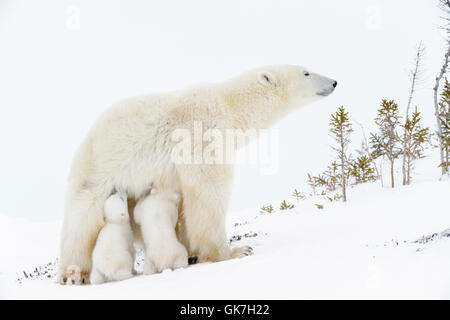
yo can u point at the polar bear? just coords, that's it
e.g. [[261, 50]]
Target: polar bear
[[113, 254], [130, 146], [157, 215]]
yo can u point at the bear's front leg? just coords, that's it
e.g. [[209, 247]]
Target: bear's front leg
[[83, 220], [206, 190]]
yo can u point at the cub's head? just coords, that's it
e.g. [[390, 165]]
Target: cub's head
[[116, 209], [159, 201], [168, 196]]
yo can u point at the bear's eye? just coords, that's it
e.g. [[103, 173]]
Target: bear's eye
[[306, 73]]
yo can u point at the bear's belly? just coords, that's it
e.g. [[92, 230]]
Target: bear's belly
[[137, 177], [136, 180]]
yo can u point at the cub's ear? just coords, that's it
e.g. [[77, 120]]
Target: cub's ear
[[266, 78]]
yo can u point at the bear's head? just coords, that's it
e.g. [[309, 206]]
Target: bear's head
[[263, 95], [116, 209]]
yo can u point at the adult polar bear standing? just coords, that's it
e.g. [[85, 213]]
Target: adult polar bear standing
[[130, 146]]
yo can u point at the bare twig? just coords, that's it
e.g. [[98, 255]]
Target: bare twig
[[436, 105], [416, 75]]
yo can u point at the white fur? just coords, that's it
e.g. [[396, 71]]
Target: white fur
[[157, 214], [130, 145], [113, 255]]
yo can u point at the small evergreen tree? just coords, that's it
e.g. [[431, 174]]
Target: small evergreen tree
[[332, 176], [444, 118], [362, 170], [386, 142], [321, 181], [312, 182], [286, 206], [414, 143], [298, 195], [340, 127], [337, 197], [365, 150], [268, 209], [349, 166]]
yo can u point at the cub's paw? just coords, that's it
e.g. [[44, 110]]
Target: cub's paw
[[149, 267], [123, 274], [180, 258], [96, 277], [180, 262], [240, 252]]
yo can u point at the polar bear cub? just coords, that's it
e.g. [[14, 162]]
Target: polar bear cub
[[113, 255], [157, 214]]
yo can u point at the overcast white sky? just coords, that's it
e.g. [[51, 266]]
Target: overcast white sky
[[63, 62]]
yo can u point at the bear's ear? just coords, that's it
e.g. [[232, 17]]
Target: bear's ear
[[266, 78]]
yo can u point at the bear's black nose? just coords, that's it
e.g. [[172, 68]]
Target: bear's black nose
[[334, 84]]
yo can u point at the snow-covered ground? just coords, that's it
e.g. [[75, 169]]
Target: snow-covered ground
[[362, 249]]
